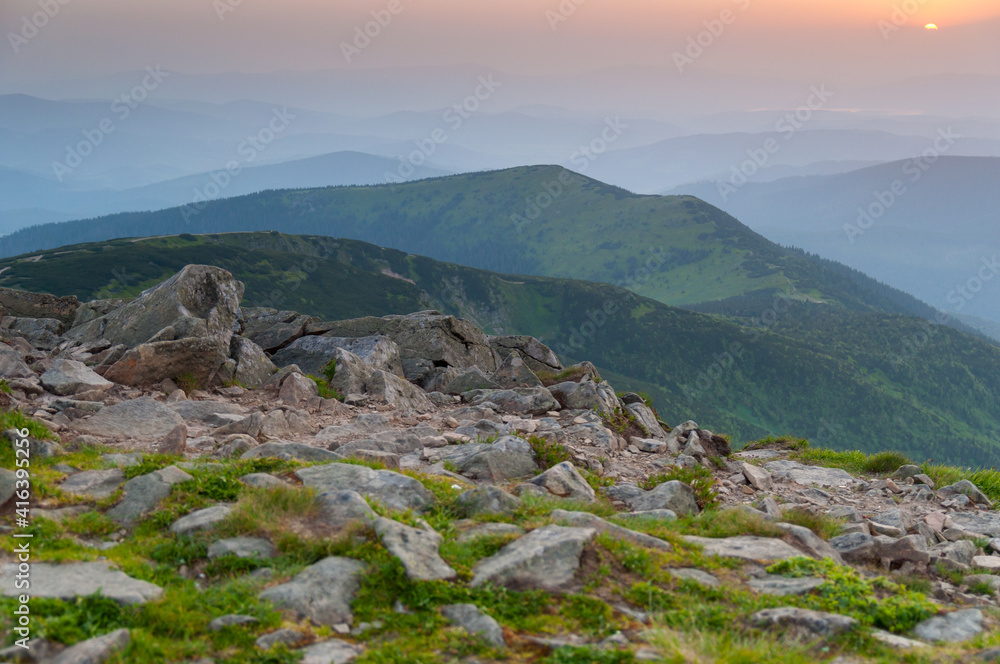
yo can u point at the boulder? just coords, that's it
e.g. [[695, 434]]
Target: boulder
[[199, 358], [96, 650], [313, 353], [746, 547], [809, 542], [92, 483], [342, 509], [41, 333], [757, 477], [545, 558], [332, 651], [66, 377], [203, 519], [322, 592], [507, 459], [966, 488], [297, 451], [393, 490], [565, 481], [71, 580], [144, 418], [253, 367], [297, 389], [12, 364], [953, 627], [199, 300], [674, 495], [396, 391], [271, 329], [23, 304], [242, 547], [474, 621], [585, 395], [514, 373], [856, 548], [487, 500], [809, 475], [144, 493], [416, 549], [810, 623], [520, 401], [588, 520], [782, 586], [205, 412], [536, 355]]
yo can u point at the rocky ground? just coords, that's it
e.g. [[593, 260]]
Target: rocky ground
[[216, 483]]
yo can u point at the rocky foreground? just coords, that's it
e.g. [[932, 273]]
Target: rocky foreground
[[217, 483]]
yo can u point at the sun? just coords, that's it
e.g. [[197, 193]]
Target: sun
[[930, 26]]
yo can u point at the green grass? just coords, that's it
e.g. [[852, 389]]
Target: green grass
[[548, 453], [698, 478], [14, 419]]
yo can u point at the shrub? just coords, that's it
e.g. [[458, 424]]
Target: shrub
[[698, 478], [549, 454]]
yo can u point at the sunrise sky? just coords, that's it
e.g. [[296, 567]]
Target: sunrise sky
[[782, 38]]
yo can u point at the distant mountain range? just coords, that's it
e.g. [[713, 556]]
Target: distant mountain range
[[845, 378]]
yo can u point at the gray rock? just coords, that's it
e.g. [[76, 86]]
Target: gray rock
[[333, 651], [93, 483], [487, 500], [746, 547], [391, 489], [695, 575], [204, 359], [341, 509], [467, 380], [242, 547], [205, 412], [493, 530], [565, 481], [474, 621], [962, 551], [653, 515], [25, 304], [322, 592], [809, 475], [416, 549], [856, 548], [966, 488], [253, 367], [506, 459], [262, 481], [396, 391], [297, 389], [313, 353], [70, 580], [912, 548], [235, 446], [536, 355], [757, 477], [514, 373], [520, 401], [143, 418], [70, 377], [585, 395], [8, 484], [198, 298], [649, 445], [297, 451], [144, 493], [232, 620], [981, 523], [896, 518], [97, 650], [248, 426], [123, 460], [905, 471], [588, 520], [41, 333], [809, 542], [815, 623], [953, 627], [674, 496], [12, 364], [281, 424], [201, 519], [545, 558], [646, 418], [782, 586], [288, 637]]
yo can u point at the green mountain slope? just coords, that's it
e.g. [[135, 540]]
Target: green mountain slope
[[851, 381], [541, 220]]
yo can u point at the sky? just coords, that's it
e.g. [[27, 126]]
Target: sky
[[844, 41]]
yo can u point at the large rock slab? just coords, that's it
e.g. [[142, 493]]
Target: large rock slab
[[953, 627], [536, 355], [333, 651], [299, 451], [342, 509], [322, 592], [201, 358], [487, 500], [746, 547], [144, 493], [416, 548], [586, 395], [565, 481], [205, 412], [978, 523], [813, 623], [144, 418], [313, 353], [201, 519], [397, 392], [72, 580], [506, 459], [202, 293], [811, 475], [97, 650], [93, 483], [856, 548], [514, 373], [393, 490], [24, 304], [12, 364], [253, 366], [65, 377], [520, 401], [242, 547], [781, 586], [674, 495], [588, 520], [546, 558], [474, 621]]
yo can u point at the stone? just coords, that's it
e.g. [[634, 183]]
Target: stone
[[814, 623], [231, 620], [652, 515], [809, 475], [248, 426], [585, 395], [143, 418], [474, 621], [588, 520], [12, 364], [391, 489], [342, 509], [333, 651], [234, 446], [175, 442], [896, 518], [895, 640], [758, 478], [24, 304], [981, 523], [520, 401], [546, 558], [123, 460], [201, 519], [205, 412], [297, 451], [487, 500], [565, 481], [782, 586], [313, 353], [506, 459], [416, 549], [535, 354], [396, 391], [746, 547], [809, 542], [912, 548], [963, 551], [646, 418], [514, 373], [199, 358], [95, 484], [253, 366], [65, 377], [924, 480], [649, 445], [675, 496], [242, 547], [905, 471], [144, 493], [988, 563], [8, 485], [953, 627], [288, 637], [491, 529], [322, 592], [856, 548], [282, 424], [96, 650], [466, 380], [695, 575], [71, 580], [966, 488], [297, 389]]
